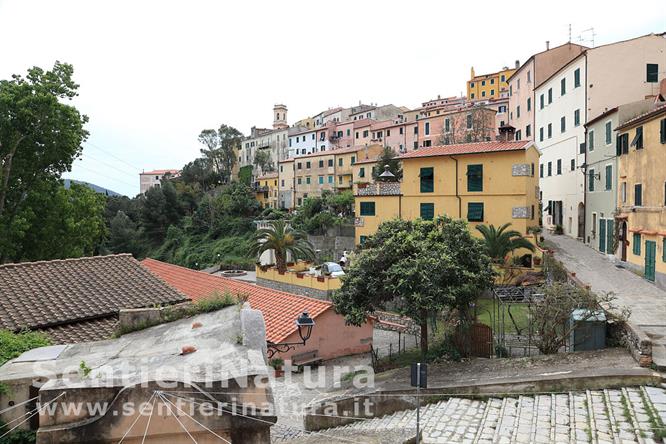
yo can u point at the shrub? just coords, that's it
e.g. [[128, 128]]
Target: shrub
[[13, 344]]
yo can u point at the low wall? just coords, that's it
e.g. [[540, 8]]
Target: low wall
[[298, 283]]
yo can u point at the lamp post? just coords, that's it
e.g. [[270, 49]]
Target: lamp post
[[305, 324]]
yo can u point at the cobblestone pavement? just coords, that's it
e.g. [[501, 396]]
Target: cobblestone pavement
[[646, 301], [627, 415]]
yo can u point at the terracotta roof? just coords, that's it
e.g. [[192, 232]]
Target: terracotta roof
[[660, 109], [280, 309], [77, 299], [361, 123], [351, 149], [268, 176], [161, 172], [468, 148], [364, 161]]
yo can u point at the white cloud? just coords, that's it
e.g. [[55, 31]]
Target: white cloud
[[153, 74]]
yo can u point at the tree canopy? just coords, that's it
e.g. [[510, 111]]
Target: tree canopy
[[221, 146], [500, 242], [417, 267], [388, 157]]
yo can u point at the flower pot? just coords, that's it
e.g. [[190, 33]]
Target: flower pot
[[279, 372], [321, 278], [300, 275]]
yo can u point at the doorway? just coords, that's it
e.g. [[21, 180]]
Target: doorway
[[581, 220], [623, 241]]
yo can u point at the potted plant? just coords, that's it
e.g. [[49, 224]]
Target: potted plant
[[536, 260], [277, 364]]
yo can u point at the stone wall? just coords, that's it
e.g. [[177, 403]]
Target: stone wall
[[295, 289], [335, 242]]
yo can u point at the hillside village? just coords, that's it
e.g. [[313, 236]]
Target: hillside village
[[284, 286]]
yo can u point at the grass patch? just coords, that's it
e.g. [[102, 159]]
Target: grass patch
[[214, 302], [519, 312], [351, 375], [657, 425]]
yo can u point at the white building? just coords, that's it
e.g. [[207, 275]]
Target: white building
[[591, 83], [149, 179], [302, 141], [275, 141]]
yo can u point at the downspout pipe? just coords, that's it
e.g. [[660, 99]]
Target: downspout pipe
[[457, 193]]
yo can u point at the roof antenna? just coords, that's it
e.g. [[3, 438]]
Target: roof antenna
[[569, 32]]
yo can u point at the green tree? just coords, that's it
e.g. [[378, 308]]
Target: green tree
[[500, 242], [221, 147], [124, 235], [418, 267], [262, 160], [390, 158], [59, 222], [200, 172], [160, 209], [283, 240]]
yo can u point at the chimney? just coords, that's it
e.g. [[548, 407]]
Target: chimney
[[517, 64], [547, 45], [472, 73]]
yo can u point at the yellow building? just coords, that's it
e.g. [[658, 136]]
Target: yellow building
[[641, 220], [328, 170], [489, 183], [266, 188], [489, 86]]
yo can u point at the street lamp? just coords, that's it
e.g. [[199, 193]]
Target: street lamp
[[304, 323]]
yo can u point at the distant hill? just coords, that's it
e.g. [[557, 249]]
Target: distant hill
[[92, 186]]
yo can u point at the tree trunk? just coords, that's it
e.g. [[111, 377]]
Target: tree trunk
[[280, 262], [5, 172], [424, 333]]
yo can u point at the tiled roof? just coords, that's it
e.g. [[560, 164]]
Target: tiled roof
[[364, 161], [468, 148], [161, 172], [84, 331], [280, 309], [659, 109], [71, 293]]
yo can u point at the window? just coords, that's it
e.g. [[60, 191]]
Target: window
[[518, 135], [573, 164], [623, 192], [577, 78], [299, 165], [550, 168], [541, 170], [528, 131], [362, 239], [353, 160], [529, 104], [282, 182], [563, 86], [541, 134], [427, 180], [638, 195], [330, 163], [474, 178], [427, 129], [307, 180], [590, 141], [503, 78], [357, 134], [609, 132], [300, 201], [469, 121], [483, 83], [365, 133], [427, 143], [361, 172], [662, 131], [563, 124], [550, 95], [541, 104], [388, 132], [518, 84], [348, 132], [447, 125], [321, 180], [652, 73], [340, 161], [367, 208], [339, 134], [492, 93], [577, 117], [401, 130], [483, 94], [475, 211], [472, 96], [636, 247], [590, 180], [300, 181], [622, 144], [308, 164], [559, 167], [638, 138], [518, 112], [321, 164], [550, 130], [427, 211], [609, 177], [339, 179]]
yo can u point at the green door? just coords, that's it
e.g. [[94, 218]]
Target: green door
[[610, 233], [602, 235], [650, 250]]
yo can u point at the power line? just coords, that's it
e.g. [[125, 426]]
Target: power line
[[108, 177], [110, 166], [113, 155]]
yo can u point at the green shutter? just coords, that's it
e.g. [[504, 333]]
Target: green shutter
[[427, 211], [610, 235], [662, 131], [427, 180], [609, 177], [602, 235], [367, 208], [636, 247], [663, 250], [475, 211], [474, 178]]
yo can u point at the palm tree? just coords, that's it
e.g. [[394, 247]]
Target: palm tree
[[500, 241], [283, 240]]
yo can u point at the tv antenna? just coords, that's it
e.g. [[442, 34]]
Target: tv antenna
[[587, 35]]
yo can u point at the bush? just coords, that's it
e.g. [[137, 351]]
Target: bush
[[13, 344]]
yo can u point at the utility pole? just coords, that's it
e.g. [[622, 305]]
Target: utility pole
[[418, 402]]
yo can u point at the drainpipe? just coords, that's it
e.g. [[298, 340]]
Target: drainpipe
[[457, 194]]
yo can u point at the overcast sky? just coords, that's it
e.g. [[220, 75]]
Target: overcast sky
[[154, 74]]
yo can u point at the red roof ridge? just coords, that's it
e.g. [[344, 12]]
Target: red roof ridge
[[69, 259], [468, 148]]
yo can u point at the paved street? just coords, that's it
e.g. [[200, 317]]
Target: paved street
[[646, 301]]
